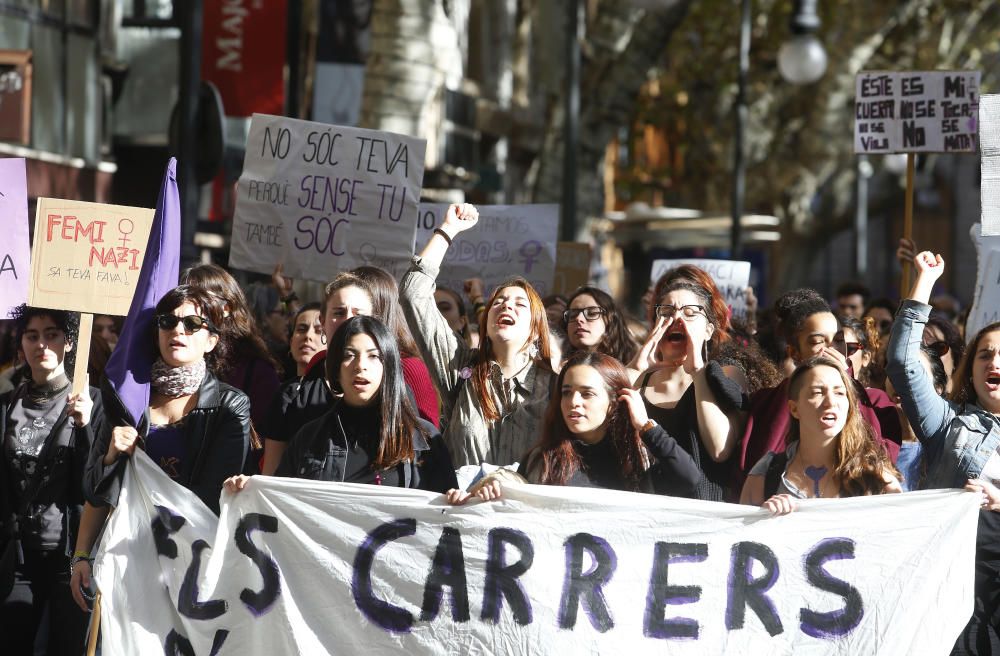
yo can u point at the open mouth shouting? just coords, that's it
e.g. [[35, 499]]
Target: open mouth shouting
[[828, 420], [993, 380], [361, 384]]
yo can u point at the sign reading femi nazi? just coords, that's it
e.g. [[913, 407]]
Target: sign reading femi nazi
[[916, 111]]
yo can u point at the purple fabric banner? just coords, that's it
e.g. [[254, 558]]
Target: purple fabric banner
[[128, 370], [14, 250]]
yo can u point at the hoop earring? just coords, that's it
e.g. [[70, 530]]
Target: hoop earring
[[322, 339]]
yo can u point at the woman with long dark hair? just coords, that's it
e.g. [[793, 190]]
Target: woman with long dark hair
[[829, 450], [371, 434], [493, 397], [47, 432], [593, 322]]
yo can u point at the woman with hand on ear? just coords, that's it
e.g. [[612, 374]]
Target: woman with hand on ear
[[492, 397], [47, 432], [695, 398]]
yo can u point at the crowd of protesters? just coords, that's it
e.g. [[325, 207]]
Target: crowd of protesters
[[400, 383]]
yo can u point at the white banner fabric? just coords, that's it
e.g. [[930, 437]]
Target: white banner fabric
[[295, 566], [322, 199]]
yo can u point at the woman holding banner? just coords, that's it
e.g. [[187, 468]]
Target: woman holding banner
[[961, 436], [693, 396], [493, 397], [830, 451], [593, 322], [47, 433], [371, 434]]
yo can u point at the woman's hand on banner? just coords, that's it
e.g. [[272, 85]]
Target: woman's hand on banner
[[990, 493], [780, 504], [236, 483], [486, 490], [123, 440]]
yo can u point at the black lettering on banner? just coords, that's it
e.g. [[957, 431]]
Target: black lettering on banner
[[187, 599], [167, 523], [585, 588], [178, 645], [662, 593], [835, 623], [447, 569], [259, 602], [379, 611], [501, 579], [744, 590], [8, 265]]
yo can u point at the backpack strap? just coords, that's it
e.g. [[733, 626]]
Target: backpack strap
[[772, 479]]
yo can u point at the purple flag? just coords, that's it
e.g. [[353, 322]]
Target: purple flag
[[128, 370]]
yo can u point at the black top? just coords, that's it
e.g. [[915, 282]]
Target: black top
[[681, 422], [297, 403]]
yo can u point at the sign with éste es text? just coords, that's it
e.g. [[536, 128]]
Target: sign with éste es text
[[322, 199], [14, 258], [916, 111], [509, 240], [86, 257], [732, 278]]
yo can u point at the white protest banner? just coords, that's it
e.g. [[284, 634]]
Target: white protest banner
[[322, 199], [509, 240], [86, 257], [14, 259], [731, 277], [916, 111], [989, 160], [300, 567]]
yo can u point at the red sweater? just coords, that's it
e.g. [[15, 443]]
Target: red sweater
[[418, 379]]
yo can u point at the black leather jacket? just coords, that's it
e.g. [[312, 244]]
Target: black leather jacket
[[217, 443], [319, 452]]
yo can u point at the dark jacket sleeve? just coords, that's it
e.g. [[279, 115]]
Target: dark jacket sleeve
[[227, 448], [675, 472], [437, 474], [102, 483], [83, 441]]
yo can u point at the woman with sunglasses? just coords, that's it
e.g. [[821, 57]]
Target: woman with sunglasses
[[944, 338], [960, 436], [808, 328], [593, 322], [493, 397], [371, 433], [829, 451], [692, 396], [858, 342], [46, 434]]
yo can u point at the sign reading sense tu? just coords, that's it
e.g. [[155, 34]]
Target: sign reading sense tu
[[916, 112]]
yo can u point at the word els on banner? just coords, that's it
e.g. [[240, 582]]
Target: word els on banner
[[14, 222], [508, 240], [916, 111], [87, 256], [321, 199], [731, 277]]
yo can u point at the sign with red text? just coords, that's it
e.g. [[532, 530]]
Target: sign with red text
[[14, 259], [508, 240], [86, 257], [322, 199], [916, 111], [294, 566]]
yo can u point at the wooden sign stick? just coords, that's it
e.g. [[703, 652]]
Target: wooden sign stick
[[82, 352], [904, 281]]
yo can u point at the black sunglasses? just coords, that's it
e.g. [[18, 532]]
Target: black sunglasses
[[940, 348], [192, 323]]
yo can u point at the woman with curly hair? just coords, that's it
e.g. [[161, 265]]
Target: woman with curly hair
[[829, 450], [593, 322]]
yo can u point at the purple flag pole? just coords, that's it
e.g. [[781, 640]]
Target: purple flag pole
[[128, 370]]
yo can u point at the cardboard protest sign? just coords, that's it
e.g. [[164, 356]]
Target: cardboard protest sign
[[323, 199], [732, 278], [14, 224], [546, 570], [509, 240], [572, 267], [916, 111], [86, 256]]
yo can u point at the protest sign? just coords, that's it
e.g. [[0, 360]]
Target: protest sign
[[916, 111], [731, 277], [86, 256], [546, 570], [321, 199], [14, 223], [509, 240], [572, 267], [989, 144]]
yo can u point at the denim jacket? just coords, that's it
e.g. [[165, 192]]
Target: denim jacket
[[959, 439]]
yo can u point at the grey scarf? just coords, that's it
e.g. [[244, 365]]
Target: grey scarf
[[180, 381]]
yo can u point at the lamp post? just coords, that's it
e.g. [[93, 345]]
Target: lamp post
[[802, 59]]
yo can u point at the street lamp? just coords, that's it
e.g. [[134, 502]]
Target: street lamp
[[802, 59]]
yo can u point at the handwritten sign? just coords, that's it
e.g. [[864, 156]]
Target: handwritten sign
[[322, 199], [509, 240], [572, 267], [916, 111], [14, 224], [989, 145], [732, 278], [86, 256]]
